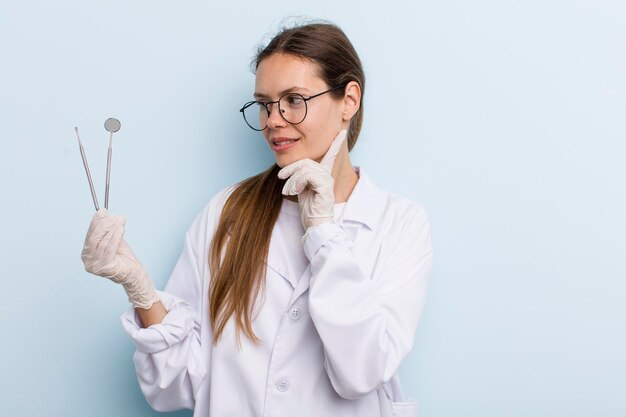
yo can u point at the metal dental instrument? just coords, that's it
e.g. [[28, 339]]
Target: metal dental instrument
[[82, 153], [111, 125]]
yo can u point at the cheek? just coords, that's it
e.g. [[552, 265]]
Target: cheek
[[322, 122], [320, 130], [316, 143]]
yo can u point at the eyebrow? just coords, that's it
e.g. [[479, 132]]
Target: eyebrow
[[289, 90]]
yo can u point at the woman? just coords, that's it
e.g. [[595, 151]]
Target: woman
[[324, 273]]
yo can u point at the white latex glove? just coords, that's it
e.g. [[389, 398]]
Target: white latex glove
[[107, 254], [314, 184]]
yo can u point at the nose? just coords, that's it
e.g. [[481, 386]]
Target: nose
[[275, 120]]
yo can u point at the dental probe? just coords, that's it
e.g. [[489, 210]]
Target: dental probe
[[82, 153]]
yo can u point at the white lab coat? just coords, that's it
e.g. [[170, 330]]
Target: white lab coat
[[332, 344]]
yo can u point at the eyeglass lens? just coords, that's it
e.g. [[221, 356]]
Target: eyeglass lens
[[292, 108]]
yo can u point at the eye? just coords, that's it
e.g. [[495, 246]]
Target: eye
[[295, 100]]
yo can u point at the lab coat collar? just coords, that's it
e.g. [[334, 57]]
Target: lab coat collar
[[366, 202]]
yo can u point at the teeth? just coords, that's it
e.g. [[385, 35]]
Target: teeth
[[284, 142]]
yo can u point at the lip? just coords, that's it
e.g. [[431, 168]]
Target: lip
[[279, 148]]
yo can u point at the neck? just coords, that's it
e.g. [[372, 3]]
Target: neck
[[344, 176]]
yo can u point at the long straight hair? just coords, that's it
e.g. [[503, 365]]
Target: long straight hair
[[238, 251]]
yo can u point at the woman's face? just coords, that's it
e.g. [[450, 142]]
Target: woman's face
[[280, 73]]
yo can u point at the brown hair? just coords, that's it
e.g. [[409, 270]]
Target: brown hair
[[239, 248]]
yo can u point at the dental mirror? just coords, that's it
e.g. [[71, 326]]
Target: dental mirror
[[111, 125]]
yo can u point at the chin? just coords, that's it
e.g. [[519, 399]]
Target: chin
[[284, 160]]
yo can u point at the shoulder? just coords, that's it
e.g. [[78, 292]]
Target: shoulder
[[216, 203], [393, 211], [404, 209], [207, 219], [406, 228]]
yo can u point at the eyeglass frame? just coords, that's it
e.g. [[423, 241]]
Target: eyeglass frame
[[265, 104]]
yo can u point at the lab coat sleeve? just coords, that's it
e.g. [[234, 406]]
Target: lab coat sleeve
[[367, 321], [169, 360]]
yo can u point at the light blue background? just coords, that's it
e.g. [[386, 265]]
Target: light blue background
[[505, 119]]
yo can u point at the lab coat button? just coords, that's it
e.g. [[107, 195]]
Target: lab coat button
[[283, 385], [295, 313]]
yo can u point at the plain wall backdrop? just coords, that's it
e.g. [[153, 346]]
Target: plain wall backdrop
[[505, 119]]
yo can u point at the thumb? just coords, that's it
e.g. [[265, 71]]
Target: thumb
[[328, 160]]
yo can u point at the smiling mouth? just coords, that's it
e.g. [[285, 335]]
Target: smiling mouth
[[282, 145], [281, 142]]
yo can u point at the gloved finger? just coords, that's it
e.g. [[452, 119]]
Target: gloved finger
[[112, 243], [107, 222], [100, 221], [298, 181], [102, 261], [288, 170], [93, 237], [331, 154], [99, 253], [98, 229], [310, 174], [92, 254], [318, 178], [288, 188], [102, 212], [97, 217], [299, 166], [295, 184]]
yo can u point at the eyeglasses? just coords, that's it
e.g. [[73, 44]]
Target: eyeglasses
[[291, 106]]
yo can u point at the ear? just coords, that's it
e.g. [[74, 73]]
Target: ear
[[351, 100]]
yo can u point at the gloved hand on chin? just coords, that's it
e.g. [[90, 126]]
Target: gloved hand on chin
[[314, 185]]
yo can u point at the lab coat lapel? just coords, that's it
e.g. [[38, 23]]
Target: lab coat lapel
[[351, 230], [277, 262], [276, 259]]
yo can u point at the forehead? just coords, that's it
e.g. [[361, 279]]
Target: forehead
[[279, 72]]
